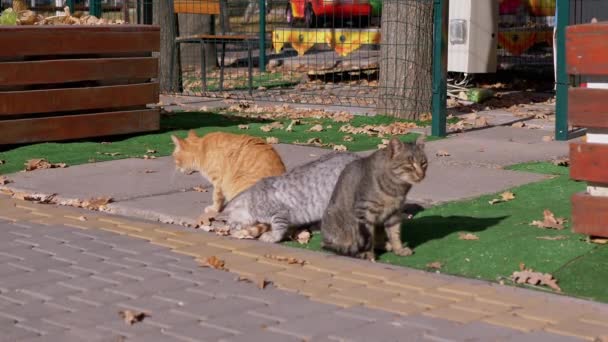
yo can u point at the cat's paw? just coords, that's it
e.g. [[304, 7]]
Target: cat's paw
[[405, 251], [212, 209], [367, 256], [271, 237]]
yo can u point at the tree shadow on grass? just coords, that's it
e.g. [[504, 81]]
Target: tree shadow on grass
[[171, 122], [418, 231], [193, 120]]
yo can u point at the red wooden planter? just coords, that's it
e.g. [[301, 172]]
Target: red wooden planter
[[70, 82], [587, 54]]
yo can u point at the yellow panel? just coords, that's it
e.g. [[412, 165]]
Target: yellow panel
[[197, 6]]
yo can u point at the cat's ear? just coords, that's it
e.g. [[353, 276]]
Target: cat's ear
[[421, 140], [395, 146], [192, 134], [176, 141]]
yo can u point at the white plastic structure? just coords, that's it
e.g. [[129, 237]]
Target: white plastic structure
[[472, 36]]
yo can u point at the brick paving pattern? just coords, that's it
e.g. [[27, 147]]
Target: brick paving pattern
[[65, 279]]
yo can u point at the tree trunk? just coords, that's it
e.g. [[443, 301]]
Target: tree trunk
[[189, 56], [163, 15], [406, 56], [191, 24]]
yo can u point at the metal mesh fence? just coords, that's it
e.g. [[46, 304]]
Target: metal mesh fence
[[343, 53], [525, 33]]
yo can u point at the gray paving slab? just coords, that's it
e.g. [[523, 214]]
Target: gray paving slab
[[179, 309], [497, 147], [475, 159]]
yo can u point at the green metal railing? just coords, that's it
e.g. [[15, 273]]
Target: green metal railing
[[440, 66], [562, 83]]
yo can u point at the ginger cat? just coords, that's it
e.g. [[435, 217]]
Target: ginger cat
[[231, 162]]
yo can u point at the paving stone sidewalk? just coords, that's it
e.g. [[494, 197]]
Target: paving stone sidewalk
[[66, 277], [473, 168], [60, 283]]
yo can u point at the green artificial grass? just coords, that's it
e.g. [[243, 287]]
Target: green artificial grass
[[92, 150], [505, 237]]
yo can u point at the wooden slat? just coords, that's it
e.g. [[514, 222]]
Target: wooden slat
[[197, 6], [74, 70], [588, 107], [589, 162], [590, 214], [78, 39], [72, 99], [78, 126], [587, 48]]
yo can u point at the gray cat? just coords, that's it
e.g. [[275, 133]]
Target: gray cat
[[368, 201], [296, 198]]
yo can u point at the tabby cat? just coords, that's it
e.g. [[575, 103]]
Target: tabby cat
[[231, 162], [297, 198], [369, 199]]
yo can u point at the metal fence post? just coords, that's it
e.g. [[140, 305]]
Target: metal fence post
[[70, 4], [262, 61], [440, 66], [147, 12], [562, 83], [95, 8]]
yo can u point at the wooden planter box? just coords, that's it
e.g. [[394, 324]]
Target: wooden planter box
[[587, 54], [72, 82]]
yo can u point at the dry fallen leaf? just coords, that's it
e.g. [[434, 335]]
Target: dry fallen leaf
[[33, 197], [548, 138], [35, 164], [347, 138], [146, 156], [243, 126], [199, 188], [270, 127], [504, 197], [481, 121], [291, 124], [222, 231], [550, 221], [519, 124], [151, 151], [262, 283], [316, 128], [442, 153], [243, 279], [96, 203], [467, 236], [2, 161], [340, 148], [132, 317], [206, 218], [111, 154], [272, 140], [552, 238], [4, 180], [214, 262], [434, 265], [561, 162], [303, 237], [527, 276], [598, 241], [289, 260]]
